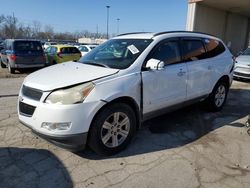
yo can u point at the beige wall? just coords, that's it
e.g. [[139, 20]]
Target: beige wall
[[210, 20], [231, 28]]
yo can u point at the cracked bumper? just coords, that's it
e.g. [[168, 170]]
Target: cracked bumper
[[74, 142]]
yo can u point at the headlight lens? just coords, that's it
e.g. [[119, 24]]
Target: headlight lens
[[71, 95]]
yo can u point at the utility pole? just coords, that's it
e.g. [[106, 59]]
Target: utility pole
[[107, 21], [118, 23]]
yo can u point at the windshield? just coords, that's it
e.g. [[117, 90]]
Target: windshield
[[116, 53], [246, 52]]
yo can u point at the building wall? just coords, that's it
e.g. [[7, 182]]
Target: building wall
[[210, 20], [232, 28]]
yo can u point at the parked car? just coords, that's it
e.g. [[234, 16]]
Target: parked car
[[102, 99], [61, 53], [84, 49], [20, 54], [47, 44], [242, 65]]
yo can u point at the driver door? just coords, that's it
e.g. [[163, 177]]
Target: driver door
[[166, 87]]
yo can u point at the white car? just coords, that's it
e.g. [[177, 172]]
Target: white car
[[84, 49], [242, 65], [102, 99], [47, 44]]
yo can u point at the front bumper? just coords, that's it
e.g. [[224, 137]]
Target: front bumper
[[242, 71], [34, 113], [73, 142]]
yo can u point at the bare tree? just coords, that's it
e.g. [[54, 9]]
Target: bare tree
[[10, 27], [36, 28]]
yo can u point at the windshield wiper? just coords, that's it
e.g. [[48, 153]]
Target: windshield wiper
[[97, 64]]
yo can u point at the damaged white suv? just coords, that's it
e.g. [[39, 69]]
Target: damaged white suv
[[102, 99]]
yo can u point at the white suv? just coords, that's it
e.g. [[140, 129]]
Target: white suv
[[102, 99]]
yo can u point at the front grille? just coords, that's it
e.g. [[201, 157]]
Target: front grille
[[241, 74], [32, 93], [26, 110]]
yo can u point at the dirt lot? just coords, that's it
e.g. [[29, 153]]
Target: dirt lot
[[186, 148]]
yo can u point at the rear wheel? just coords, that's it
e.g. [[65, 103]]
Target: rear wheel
[[10, 69], [112, 129], [217, 98]]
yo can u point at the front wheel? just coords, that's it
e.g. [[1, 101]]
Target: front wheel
[[112, 129], [217, 98], [2, 64]]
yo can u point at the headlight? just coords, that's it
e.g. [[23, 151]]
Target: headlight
[[71, 95]]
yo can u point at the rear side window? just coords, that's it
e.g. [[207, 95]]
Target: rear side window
[[27, 46], [193, 50], [213, 47], [83, 49], [74, 50]]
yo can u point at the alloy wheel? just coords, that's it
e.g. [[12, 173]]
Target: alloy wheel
[[115, 129]]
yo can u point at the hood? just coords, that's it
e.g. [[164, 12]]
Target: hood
[[243, 59], [66, 74]]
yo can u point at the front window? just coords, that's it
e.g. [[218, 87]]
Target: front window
[[246, 52], [116, 53]]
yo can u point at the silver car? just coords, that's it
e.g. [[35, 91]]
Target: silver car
[[242, 65]]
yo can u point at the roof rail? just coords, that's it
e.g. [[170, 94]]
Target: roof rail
[[131, 33], [166, 32]]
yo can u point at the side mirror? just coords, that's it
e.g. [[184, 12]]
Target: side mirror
[[155, 64]]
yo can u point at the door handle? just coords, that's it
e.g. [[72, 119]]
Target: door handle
[[181, 73]]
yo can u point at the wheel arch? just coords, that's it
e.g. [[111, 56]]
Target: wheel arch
[[126, 100], [224, 79]]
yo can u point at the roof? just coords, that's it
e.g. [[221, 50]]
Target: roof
[[62, 45], [150, 35]]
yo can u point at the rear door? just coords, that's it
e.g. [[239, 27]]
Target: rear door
[[198, 66], [29, 52], [166, 87]]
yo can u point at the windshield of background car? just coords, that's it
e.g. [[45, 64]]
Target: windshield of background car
[[28, 46], [246, 52], [116, 53]]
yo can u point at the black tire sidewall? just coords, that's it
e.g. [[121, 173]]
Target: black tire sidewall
[[211, 100], [94, 139], [10, 69]]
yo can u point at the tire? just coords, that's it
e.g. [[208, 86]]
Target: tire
[[108, 136], [10, 69], [217, 99], [2, 64]]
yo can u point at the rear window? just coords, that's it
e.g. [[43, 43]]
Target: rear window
[[213, 47], [70, 50], [27, 46]]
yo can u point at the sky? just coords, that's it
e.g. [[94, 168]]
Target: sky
[[78, 15]]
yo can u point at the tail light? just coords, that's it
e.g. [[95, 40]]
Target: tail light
[[13, 57], [59, 54]]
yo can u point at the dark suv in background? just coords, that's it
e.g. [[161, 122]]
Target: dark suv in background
[[19, 54]]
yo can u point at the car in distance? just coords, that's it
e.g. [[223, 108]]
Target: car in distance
[[242, 65], [47, 44], [61, 53], [102, 99], [19, 54], [84, 49]]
